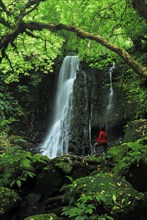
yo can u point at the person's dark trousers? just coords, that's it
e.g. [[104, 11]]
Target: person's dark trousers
[[100, 148]]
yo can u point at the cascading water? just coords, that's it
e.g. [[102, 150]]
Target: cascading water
[[56, 142], [110, 107], [110, 102]]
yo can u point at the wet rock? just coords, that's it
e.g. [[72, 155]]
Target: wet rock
[[48, 182], [65, 167], [137, 176], [80, 172], [33, 198]]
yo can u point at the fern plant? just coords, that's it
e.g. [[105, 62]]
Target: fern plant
[[15, 166]]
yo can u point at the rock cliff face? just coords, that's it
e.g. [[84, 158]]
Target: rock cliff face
[[94, 107], [90, 107]]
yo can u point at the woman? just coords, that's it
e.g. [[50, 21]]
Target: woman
[[102, 140]]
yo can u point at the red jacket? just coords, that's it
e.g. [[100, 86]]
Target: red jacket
[[102, 138]]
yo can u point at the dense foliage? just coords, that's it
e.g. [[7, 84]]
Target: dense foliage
[[25, 50], [34, 38], [29, 51], [109, 192], [23, 166]]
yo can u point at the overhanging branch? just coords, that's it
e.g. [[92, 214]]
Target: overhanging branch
[[137, 67], [22, 27]]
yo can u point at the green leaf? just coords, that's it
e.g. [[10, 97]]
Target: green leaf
[[114, 198], [18, 182], [90, 211], [30, 174], [12, 183]]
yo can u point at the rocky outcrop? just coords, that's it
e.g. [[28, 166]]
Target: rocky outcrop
[[44, 186], [80, 130], [130, 161], [95, 106], [90, 108], [101, 194], [114, 117]]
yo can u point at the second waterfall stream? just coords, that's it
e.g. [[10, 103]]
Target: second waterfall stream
[[57, 139]]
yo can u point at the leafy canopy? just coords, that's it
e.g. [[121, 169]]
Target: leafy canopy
[[36, 50]]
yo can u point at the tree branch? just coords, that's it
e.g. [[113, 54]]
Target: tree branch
[[9, 38], [28, 5], [6, 56], [12, 35], [22, 27], [137, 67], [32, 35]]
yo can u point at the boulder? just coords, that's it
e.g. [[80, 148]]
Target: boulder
[[48, 181], [102, 194], [130, 160]]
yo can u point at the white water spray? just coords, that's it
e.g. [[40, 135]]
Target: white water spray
[[56, 142], [110, 102], [110, 106]]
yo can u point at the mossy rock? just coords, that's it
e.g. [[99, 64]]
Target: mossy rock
[[8, 199], [116, 153], [94, 160], [65, 167], [135, 130], [107, 192], [142, 141], [131, 153], [51, 216], [130, 160]]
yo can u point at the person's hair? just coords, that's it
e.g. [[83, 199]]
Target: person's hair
[[102, 128]]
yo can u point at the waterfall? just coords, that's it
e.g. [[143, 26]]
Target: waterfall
[[56, 142], [90, 141], [110, 106], [110, 102]]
